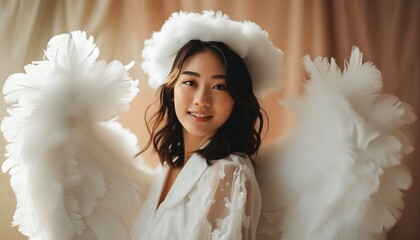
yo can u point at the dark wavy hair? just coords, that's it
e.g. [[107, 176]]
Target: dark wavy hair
[[241, 133]]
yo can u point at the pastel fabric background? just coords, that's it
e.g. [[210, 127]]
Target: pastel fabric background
[[386, 31]]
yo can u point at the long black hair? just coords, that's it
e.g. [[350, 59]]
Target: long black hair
[[241, 133]]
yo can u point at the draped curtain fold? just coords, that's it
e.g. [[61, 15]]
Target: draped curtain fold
[[386, 31]]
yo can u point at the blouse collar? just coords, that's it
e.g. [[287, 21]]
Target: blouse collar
[[189, 175]]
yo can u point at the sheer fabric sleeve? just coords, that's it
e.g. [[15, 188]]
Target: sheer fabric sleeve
[[225, 203]]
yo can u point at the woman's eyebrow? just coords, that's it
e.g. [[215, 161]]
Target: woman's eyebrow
[[217, 76], [190, 73], [220, 76]]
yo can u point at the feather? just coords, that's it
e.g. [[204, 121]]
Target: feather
[[339, 171], [71, 173]]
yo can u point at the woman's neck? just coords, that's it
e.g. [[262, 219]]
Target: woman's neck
[[192, 144]]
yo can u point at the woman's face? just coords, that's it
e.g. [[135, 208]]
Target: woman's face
[[202, 102]]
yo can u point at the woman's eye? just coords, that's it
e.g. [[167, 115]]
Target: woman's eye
[[220, 87], [188, 83]]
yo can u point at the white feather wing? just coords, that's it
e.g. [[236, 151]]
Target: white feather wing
[[70, 161], [340, 171]]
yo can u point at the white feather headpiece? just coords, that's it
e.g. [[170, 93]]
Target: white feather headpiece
[[247, 39]]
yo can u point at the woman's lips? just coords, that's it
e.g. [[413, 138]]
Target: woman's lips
[[201, 117]]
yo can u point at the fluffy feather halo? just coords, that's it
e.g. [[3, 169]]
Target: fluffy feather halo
[[247, 39]]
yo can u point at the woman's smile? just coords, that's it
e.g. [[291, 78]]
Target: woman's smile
[[200, 117]]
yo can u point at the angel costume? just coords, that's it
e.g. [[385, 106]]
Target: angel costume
[[338, 175]]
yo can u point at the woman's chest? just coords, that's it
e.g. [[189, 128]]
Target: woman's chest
[[171, 176], [166, 208]]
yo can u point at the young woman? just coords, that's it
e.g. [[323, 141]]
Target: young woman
[[207, 128], [205, 132]]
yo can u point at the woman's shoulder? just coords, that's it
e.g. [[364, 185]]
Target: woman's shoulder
[[234, 159], [235, 162]]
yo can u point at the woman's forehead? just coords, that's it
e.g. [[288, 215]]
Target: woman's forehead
[[204, 61]]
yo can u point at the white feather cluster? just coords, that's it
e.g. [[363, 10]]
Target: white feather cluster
[[69, 160], [340, 170], [247, 39]]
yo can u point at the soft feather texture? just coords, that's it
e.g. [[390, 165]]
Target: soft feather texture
[[339, 172], [71, 162], [247, 39]]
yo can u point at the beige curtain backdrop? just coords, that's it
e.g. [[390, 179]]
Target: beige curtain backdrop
[[387, 32]]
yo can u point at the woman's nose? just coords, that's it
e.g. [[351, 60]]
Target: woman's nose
[[202, 98]]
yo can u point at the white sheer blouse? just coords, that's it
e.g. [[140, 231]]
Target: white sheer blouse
[[221, 201]]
